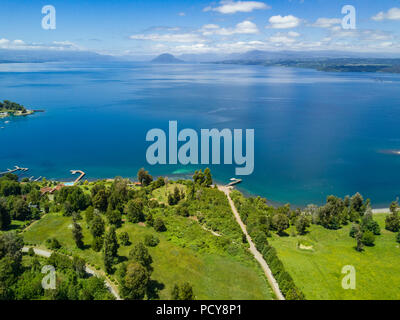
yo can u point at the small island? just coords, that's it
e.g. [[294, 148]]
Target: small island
[[8, 108], [166, 58]]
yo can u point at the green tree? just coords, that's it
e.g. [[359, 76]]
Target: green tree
[[182, 291], [368, 238], [144, 177], [280, 222], [134, 210], [21, 210], [135, 282], [110, 252], [302, 223], [140, 254], [150, 240], [356, 203], [159, 225], [114, 217], [360, 244], [124, 239], [5, 218], [207, 178], [77, 234], [392, 222], [97, 226], [100, 200]]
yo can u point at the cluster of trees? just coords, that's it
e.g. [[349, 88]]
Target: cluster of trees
[[365, 231], [144, 177], [20, 201], [75, 283], [203, 178], [182, 291], [392, 222], [261, 219], [23, 281], [11, 106], [174, 198], [134, 275], [338, 212], [10, 263]]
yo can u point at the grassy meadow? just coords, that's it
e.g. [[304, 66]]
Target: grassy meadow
[[317, 271], [213, 275]]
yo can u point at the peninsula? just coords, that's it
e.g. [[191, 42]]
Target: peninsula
[[8, 108]]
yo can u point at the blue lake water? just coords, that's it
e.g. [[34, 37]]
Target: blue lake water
[[316, 133]]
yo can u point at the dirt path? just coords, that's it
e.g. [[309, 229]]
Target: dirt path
[[385, 210], [257, 255], [109, 285]]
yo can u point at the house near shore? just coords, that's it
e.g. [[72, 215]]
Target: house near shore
[[51, 190]]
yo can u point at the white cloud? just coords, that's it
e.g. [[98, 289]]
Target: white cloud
[[281, 39], [284, 38], [4, 42], [182, 37], [18, 42], [293, 34], [245, 27], [22, 45], [230, 7], [392, 14], [326, 22], [286, 22], [181, 14]]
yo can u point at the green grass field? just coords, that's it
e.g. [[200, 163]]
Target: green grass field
[[318, 274], [161, 194], [213, 276]]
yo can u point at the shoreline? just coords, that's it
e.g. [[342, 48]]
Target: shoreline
[[218, 183]]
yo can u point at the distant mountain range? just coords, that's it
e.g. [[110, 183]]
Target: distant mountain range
[[259, 55], [251, 57], [166, 58], [37, 56]]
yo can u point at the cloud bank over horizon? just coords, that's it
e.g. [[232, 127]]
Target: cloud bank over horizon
[[207, 27]]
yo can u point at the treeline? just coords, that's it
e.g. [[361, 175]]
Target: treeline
[[261, 220], [20, 201], [12, 106], [21, 278]]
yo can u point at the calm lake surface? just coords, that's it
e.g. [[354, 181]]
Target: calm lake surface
[[316, 133]]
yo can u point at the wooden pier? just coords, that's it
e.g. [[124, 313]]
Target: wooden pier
[[234, 182], [82, 174], [14, 170]]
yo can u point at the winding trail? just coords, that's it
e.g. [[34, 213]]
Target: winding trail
[[109, 285], [257, 255]]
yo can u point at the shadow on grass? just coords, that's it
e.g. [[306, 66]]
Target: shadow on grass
[[153, 289]]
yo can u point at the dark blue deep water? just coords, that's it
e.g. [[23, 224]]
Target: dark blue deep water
[[315, 133]]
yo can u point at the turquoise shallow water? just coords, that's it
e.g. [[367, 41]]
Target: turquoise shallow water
[[315, 133]]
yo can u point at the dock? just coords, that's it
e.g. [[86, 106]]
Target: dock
[[234, 182], [82, 174], [14, 170]]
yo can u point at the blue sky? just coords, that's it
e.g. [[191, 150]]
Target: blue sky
[[123, 27]]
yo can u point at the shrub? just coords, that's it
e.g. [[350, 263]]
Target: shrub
[[124, 239], [159, 225], [150, 240], [368, 238], [97, 243], [53, 244]]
